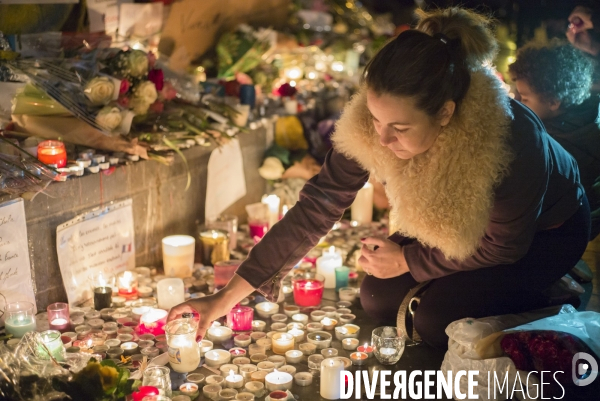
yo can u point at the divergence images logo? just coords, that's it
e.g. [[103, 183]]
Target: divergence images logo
[[584, 373]]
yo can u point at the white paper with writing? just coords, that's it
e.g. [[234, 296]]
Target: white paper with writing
[[15, 269], [99, 240], [140, 20], [104, 14], [226, 181]]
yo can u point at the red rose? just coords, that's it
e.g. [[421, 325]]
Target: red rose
[[286, 90], [168, 92], [157, 78], [124, 87]]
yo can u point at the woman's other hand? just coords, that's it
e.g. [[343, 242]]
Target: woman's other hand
[[382, 258]]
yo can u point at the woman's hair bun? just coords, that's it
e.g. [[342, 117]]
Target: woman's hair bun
[[477, 42]]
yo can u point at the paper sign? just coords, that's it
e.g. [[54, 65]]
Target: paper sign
[[15, 269], [140, 20], [102, 240], [226, 181], [104, 14]]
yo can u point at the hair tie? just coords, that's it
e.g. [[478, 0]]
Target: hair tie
[[441, 37]]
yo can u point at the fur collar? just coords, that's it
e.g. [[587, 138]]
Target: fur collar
[[444, 196]]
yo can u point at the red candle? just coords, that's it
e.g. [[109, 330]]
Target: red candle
[[240, 318], [367, 349], [258, 228], [52, 152], [127, 283], [308, 291], [153, 322], [144, 391]]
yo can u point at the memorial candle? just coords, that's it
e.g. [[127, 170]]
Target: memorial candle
[[184, 353], [178, 255], [330, 378], [20, 318], [215, 247], [308, 289], [282, 342], [52, 152], [58, 316], [279, 381], [153, 322], [240, 318], [170, 292], [127, 284], [326, 265], [272, 202], [233, 380], [53, 345]]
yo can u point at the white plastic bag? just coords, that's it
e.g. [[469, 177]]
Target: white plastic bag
[[464, 335]]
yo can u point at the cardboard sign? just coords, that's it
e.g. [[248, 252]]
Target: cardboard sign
[[99, 240], [15, 268]]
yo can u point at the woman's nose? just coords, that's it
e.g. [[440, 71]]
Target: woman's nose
[[385, 136]]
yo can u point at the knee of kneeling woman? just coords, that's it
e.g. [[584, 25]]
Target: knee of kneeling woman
[[430, 328], [374, 302]]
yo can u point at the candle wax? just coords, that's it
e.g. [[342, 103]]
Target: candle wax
[[19, 325]]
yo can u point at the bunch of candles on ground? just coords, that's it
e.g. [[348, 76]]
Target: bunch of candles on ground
[[257, 350]]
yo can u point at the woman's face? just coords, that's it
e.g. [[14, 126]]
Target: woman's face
[[402, 127]]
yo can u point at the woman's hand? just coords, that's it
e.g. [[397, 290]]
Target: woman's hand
[[214, 306], [580, 24], [386, 261]]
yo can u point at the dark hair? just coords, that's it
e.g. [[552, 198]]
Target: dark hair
[[555, 70], [432, 63]]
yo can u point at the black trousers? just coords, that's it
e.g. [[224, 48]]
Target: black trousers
[[489, 291]]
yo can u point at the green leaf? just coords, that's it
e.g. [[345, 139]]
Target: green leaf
[[187, 167]]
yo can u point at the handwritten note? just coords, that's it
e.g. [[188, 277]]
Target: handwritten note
[[226, 181], [100, 240], [15, 269]]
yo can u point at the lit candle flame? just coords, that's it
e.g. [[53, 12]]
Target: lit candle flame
[[215, 234], [231, 374], [331, 250]]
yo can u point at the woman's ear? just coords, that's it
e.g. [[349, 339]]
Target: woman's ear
[[446, 112]]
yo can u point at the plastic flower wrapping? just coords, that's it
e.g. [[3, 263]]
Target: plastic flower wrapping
[[31, 371]]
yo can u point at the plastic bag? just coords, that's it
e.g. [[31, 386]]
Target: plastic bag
[[465, 335]]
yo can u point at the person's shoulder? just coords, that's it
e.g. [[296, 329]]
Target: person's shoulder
[[527, 130]]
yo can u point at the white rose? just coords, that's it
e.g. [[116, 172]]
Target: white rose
[[146, 92], [99, 90], [109, 117], [272, 169], [137, 63], [139, 107]]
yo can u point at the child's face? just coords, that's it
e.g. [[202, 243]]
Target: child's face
[[544, 108]]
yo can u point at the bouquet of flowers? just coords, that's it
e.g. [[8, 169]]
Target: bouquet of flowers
[[243, 50]]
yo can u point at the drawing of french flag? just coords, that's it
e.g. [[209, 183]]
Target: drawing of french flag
[[126, 248]]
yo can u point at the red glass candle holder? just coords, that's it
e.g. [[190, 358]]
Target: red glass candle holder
[[153, 322], [52, 152], [258, 228], [144, 391], [58, 317], [240, 318], [308, 289], [224, 271]]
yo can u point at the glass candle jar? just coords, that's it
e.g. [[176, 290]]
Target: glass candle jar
[[282, 342], [215, 246], [52, 152], [240, 318], [159, 377], [341, 277], [388, 347], [178, 255], [228, 223], [52, 345], [224, 271], [20, 318], [58, 316], [127, 284], [102, 287], [308, 289], [184, 353]]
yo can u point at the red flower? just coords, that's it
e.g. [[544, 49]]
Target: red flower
[[232, 88], [124, 87], [157, 78], [286, 90], [157, 107]]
